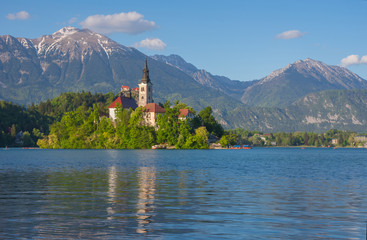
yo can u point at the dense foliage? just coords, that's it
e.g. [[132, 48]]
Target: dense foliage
[[332, 137], [88, 129], [80, 120], [69, 101], [21, 126]]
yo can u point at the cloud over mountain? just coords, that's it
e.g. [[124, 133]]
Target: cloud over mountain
[[22, 15], [151, 43], [130, 23], [353, 60], [290, 34]]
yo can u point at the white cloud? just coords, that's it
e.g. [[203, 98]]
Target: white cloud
[[22, 15], [353, 60], [131, 23], [290, 34], [151, 43]]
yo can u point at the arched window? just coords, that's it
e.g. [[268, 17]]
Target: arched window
[[142, 89]]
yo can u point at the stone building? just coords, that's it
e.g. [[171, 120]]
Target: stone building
[[151, 112], [145, 88], [142, 96]]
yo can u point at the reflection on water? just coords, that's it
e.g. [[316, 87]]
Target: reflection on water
[[262, 194], [145, 203], [112, 185]]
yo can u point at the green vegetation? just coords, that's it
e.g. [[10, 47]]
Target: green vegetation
[[20, 126], [80, 120], [333, 137], [315, 112], [88, 129]]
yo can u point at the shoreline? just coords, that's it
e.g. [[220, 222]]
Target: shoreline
[[172, 148]]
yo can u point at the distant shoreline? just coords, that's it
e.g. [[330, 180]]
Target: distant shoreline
[[259, 147]]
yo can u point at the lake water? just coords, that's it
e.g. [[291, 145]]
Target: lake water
[[263, 193]]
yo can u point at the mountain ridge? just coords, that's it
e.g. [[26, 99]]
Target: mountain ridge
[[316, 112], [232, 88], [284, 86], [70, 59], [73, 60]]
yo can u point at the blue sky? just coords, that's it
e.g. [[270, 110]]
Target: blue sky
[[243, 40]]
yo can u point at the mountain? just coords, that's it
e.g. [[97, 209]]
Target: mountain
[[232, 88], [71, 59], [290, 99], [283, 87], [318, 112]]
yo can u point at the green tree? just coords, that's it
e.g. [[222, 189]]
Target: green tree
[[210, 123], [27, 139], [13, 131], [184, 133], [168, 126], [224, 141], [201, 137], [140, 136]]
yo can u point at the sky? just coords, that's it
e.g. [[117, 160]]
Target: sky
[[240, 39]]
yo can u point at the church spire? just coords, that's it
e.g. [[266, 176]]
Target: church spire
[[145, 78], [145, 87]]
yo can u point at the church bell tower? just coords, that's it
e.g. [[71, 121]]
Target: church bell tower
[[145, 87]]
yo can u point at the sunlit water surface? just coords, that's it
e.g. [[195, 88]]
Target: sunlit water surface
[[274, 193]]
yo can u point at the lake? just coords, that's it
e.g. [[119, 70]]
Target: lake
[[263, 193]]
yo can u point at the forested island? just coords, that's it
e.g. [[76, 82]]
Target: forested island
[[80, 120]]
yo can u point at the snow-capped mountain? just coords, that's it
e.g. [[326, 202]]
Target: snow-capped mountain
[[75, 43], [284, 86], [69, 59], [33, 70], [73, 59]]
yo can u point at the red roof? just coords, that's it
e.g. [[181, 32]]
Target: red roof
[[125, 87], [125, 102], [184, 112], [153, 107]]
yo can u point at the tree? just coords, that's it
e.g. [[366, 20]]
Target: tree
[[168, 126], [13, 131], [167, 104], [210, 123], [27, 139], [140, 136], [184, 133], [224, 141]]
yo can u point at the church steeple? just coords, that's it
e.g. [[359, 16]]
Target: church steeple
[[145, 78], [145, 87]]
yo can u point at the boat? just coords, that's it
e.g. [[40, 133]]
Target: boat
[[241, 147], [236, 147]]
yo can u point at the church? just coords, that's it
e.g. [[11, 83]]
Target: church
[[142, 96]]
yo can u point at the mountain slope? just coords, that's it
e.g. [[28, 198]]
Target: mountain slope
[[232, 88], [73, 60], [318, 112], [284, 86]]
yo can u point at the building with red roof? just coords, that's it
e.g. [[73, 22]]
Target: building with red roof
[[151, 112], [185, 113], [122, 101], [141, 96]]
